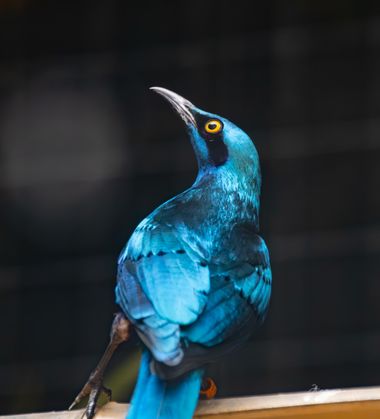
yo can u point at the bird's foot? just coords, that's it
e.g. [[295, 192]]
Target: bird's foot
[[208, 388], [93, 389], [94, 386]]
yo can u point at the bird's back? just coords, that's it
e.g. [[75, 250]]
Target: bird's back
[[194, 268]]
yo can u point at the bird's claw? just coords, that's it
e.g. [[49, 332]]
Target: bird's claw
[[93, 389]]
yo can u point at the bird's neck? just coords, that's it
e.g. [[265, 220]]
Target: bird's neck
[[234, 191]]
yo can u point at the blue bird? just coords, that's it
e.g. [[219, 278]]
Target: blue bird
[[194, 278]]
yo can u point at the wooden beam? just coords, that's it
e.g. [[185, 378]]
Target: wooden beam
[[356, 403]]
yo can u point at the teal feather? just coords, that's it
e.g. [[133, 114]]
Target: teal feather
[[154, 398]]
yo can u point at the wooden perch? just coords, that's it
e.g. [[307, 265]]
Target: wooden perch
[[357, 403]]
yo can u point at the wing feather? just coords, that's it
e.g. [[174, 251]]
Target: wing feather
[[174, 278], [242, 291]]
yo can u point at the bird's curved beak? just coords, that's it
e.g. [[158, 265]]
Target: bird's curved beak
[[180, 104]]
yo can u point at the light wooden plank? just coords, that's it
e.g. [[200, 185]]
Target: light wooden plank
[[356, 403]]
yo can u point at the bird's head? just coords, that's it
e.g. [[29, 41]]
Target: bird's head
[[220, 146]]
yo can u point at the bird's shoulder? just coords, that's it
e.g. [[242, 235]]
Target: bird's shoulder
[[162, 230], [240, 243], [151, 238]]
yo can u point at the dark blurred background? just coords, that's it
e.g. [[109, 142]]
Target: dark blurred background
[[86, 151]]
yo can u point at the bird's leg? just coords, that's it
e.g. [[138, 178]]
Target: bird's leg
[[94, 386]]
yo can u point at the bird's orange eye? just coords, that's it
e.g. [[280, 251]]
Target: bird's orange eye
[[213, 126]]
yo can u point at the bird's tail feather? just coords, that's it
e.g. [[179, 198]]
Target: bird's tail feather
[[154, 398]]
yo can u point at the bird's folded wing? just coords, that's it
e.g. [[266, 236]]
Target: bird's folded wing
[[239, 293], [173, 277], [251, 273]]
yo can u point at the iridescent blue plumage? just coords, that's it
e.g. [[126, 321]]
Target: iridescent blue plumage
[[195, 277]]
